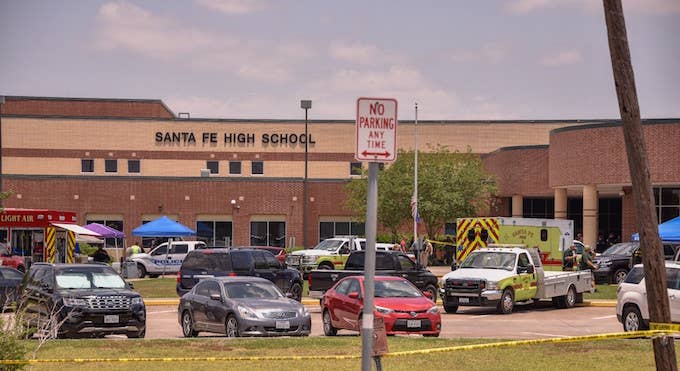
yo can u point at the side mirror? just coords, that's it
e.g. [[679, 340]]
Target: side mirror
[[131, 285], [216, 297], [353, 295], [427, 294], [289, 295]]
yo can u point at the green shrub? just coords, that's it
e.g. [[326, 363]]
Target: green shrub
[[87, 249], [11, 346]]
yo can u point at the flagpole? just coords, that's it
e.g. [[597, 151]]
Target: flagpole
[[415, 189]]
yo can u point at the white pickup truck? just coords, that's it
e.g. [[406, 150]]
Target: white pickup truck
[[161, 261], [331, 253], [502, 275]]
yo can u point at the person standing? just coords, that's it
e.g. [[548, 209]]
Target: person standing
[[601, 244], [569, 259], [587, 263], [135, 249], [425, 254], [101, 255], [403, 244]]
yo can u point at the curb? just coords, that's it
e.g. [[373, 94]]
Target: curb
[[315, 302]]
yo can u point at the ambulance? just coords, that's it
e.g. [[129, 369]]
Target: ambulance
[[550, 236]]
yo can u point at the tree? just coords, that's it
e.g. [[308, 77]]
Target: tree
[[450, 185]]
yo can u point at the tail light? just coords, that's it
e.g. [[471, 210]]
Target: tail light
[[233, 274], [179, 277]]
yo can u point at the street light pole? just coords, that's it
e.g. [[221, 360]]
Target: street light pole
[[306, 105]]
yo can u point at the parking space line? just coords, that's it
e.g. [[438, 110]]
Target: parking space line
[[544, 334], [603, 317]]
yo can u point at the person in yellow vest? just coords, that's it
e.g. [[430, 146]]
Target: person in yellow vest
[[135, 249]]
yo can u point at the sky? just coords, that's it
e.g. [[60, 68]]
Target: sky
[[256, 59]]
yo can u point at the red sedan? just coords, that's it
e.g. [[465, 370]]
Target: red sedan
[[404, 308]]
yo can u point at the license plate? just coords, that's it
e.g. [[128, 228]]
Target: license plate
[[283, 325], [463, 300], [112, 318], [413, 323]]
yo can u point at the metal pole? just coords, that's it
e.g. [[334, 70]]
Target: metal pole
[[304, 190], [369, 267], [415, 192]]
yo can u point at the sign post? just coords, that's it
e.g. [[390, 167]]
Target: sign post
[[376, 142]]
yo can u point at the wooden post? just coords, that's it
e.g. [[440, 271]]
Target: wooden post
[[645, 211]]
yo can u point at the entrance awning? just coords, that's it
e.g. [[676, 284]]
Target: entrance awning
[[76, 229]]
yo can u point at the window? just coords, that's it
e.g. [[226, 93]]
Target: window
[[202, 289], [538, 208], [260, 261], [523, 260], [257, 168], [213, 166], [271, 233], [241, 261], [163, 250], [111, 166], [272, 262], [667, 203], [406, 263], [179, 248], [544, 234], [354, 287], [331, 229], [214, 233], [342, 287], [355, 168], [133, 166], [234, 167], [87, 165]]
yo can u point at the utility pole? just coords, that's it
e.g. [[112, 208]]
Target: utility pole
[[645, 212]]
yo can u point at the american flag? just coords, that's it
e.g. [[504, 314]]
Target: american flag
[[414, 209]]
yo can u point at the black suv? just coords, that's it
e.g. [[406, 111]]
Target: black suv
[[81, 300], [615, 262], [216, 262]]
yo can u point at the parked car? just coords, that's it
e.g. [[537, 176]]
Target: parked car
[[631, 298], [14, 261], [10, 283], [160, 260], [403, 308], [278, 252], [216, 262], [615, 262], [81, 300], [241, 306]]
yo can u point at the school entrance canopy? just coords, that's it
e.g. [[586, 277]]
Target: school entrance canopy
[[163, 227], [668, 231]]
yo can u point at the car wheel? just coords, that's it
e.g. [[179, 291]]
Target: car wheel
[[188, 325], [296, 291], [137, 335], [326, 266], [632, 319], [232, 327], [154, 275], [141, 269], [620, 275], [569, 300], [448, 307], [433, 291], [507, 302], [328, 328]]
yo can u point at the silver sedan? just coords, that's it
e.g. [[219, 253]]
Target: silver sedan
[[241, 306]]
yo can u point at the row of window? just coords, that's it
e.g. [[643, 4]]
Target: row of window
[[256, 167]]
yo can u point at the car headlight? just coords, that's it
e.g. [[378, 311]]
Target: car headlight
[[137, 300], [383, 310], [492, 285], [605, 263], [303, 312], [75, 302], [246, 312], [433, 310], [310, 259]]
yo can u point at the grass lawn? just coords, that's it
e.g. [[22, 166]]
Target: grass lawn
[[164, 288], [603, 292], [601, 355]]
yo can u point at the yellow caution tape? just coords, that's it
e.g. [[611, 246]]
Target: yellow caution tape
[[618, 335], [675, 327]]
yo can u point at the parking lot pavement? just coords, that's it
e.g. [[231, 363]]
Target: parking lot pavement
[[527, 322]]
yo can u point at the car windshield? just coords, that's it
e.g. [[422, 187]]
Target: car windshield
[[251, 290], [330, 245], [625, 248], [396, 289], [88, 279], [490, 260]]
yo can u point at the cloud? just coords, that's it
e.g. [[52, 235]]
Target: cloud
[[649, 7], [487, 53], [562, 58], [125, 26], [358, 53], [233, 7]]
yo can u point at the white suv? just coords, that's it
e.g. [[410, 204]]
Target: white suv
[[631, 298]]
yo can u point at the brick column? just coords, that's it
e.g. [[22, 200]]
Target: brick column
[[517, 206], [628, 220], [560, 203], [590, 215]]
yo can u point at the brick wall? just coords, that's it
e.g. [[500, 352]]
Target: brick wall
[[521, 171], [83, 107]]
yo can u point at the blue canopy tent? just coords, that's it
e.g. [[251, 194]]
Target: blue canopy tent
[[668, 231], [163, 227]]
